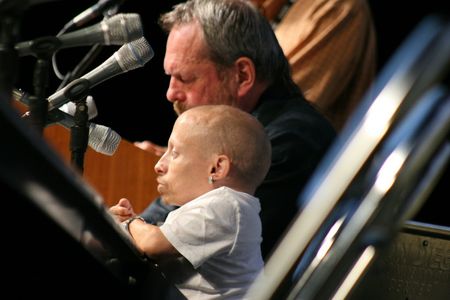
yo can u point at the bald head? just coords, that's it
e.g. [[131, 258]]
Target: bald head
[[225, 130]]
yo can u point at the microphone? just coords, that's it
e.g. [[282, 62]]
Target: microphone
[[129, 57], [102, 139], [69, 107], [92, 12], [117, 30]]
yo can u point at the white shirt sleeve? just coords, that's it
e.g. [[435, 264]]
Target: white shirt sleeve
[[203, 227]]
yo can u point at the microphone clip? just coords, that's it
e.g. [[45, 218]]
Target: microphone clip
[[77, 90]]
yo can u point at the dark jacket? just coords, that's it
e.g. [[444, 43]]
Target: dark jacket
[[299, 136]]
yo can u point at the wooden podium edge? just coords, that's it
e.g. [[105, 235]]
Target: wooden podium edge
[[128, 173]]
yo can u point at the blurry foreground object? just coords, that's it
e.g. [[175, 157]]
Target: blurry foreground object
[[377, 175]]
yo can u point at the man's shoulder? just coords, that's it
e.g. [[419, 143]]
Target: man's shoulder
[[293, 114]]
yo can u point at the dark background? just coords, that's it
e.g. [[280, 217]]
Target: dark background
[[134, 103]]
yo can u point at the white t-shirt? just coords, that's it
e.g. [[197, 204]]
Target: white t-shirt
[[219, 236]]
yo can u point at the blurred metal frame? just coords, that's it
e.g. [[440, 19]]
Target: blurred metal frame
[[372, 179]]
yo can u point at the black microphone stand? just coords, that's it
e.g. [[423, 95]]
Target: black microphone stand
[[77, 91], [43, 49], [38, 104], [79, 134]]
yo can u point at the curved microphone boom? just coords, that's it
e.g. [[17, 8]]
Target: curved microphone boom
[[129, 57], [117, 30]]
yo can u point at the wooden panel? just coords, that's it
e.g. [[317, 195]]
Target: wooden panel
[[128, 173]]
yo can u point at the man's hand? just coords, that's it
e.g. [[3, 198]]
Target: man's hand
[[123, 210], [150, 147]]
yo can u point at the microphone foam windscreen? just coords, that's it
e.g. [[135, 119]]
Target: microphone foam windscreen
[[134, 54], [123, 28], [103, 139]]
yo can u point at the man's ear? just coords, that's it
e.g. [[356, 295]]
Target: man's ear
[[221, 167], [246, 75]]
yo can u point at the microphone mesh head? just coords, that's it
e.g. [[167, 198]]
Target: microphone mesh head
[[123, 28], [134, 54], [103, 139]]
